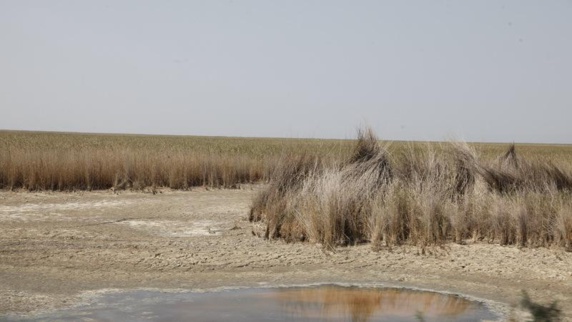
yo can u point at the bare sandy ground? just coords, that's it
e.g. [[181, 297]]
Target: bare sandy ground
[[54, 247]]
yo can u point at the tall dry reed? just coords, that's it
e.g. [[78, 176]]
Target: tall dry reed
[[421, 195], [67, 161]]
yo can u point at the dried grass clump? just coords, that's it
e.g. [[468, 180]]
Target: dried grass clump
[[272, 203], [421, 196], [369, 161], [513, 173], [466, 164], [325, 205]]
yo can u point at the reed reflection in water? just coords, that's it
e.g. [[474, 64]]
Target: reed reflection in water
[[370, 304]]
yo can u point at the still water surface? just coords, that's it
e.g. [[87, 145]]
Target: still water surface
[[323, 303]]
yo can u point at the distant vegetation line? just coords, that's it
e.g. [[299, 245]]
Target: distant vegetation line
[[71, 161], [74, 161]]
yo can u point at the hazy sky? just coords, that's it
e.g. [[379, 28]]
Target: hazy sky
[[412, 70]]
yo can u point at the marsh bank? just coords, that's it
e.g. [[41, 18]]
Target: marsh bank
[[57, 248]]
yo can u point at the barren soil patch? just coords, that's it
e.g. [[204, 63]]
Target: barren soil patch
[[54, 246]]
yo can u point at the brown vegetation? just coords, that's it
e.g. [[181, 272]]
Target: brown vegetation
[[68, 161], [420, 195]]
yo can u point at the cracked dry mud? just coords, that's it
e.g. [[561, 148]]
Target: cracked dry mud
[[57, 247]]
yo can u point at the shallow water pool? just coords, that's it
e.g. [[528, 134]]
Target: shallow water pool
[[316, 303]]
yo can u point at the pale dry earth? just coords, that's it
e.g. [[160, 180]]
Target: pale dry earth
[[57, 247]]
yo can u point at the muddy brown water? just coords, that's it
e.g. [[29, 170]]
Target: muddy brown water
[[317, 303]]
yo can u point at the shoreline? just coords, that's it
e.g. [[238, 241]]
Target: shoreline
[[58, 247]]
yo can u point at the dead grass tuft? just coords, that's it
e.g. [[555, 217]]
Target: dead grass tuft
[[419, 195]]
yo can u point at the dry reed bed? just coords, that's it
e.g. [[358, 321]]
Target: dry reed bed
[[419, 195], [67, 161]]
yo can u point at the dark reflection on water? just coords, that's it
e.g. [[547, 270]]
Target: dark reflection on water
[[324, 303]]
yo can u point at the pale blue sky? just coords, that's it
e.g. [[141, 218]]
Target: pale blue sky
[[413, 70]]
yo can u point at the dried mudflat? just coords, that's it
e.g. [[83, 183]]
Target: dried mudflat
[[57, 249]]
